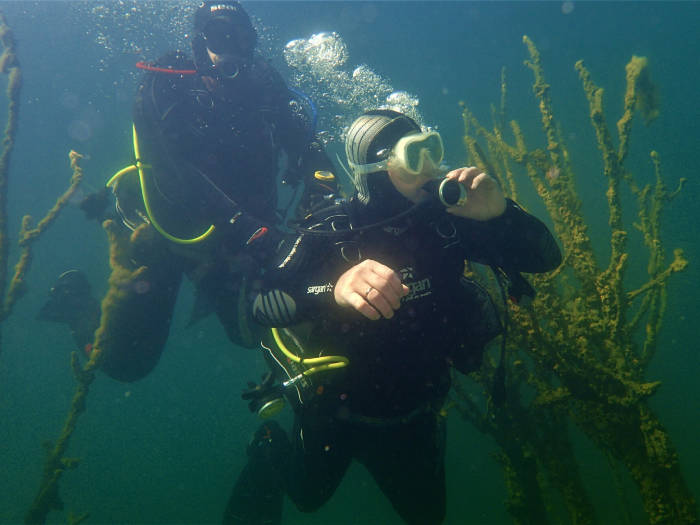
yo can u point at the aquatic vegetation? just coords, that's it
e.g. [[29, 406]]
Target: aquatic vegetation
[[11, 292], [9, 65], [646, 97], [123, 276], [579, 353]]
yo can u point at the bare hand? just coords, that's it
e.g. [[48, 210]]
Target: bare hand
[[485, 199], [372, 289]]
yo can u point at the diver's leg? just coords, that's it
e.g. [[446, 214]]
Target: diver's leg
[[408, 463], [322, 454], [257, 496], [309, 470]]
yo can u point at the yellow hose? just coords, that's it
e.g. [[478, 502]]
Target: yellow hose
[[318, 364], [141, 167]]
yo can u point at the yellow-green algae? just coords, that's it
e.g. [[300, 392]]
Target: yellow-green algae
[[11, 292], [585, 343], [121, 280], [9, 65]]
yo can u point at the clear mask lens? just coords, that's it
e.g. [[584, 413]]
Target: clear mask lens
[[413, 151]]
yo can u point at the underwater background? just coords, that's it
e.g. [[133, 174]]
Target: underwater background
[[168, 448]]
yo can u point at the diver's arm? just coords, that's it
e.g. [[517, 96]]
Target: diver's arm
[[338, 289], [514, 240], [496, 231], [299, 284], [138, 307]]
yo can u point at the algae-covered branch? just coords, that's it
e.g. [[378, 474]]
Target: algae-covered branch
[[582, 349]]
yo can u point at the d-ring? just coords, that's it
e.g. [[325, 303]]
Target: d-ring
[[369, 289]]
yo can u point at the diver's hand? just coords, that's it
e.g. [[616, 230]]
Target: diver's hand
[[485, 199], [372, 289]]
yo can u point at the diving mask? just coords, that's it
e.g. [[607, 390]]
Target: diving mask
[[413, 151], [219, 36], [410, 154]]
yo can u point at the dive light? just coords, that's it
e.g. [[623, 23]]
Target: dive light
[[448, 191]]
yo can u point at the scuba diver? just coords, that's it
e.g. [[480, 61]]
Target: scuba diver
[[371, 310], [214, 139], [219, 131]]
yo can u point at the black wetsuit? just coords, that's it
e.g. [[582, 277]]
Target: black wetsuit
[[382, 408], [218, 147], [215, 151]]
